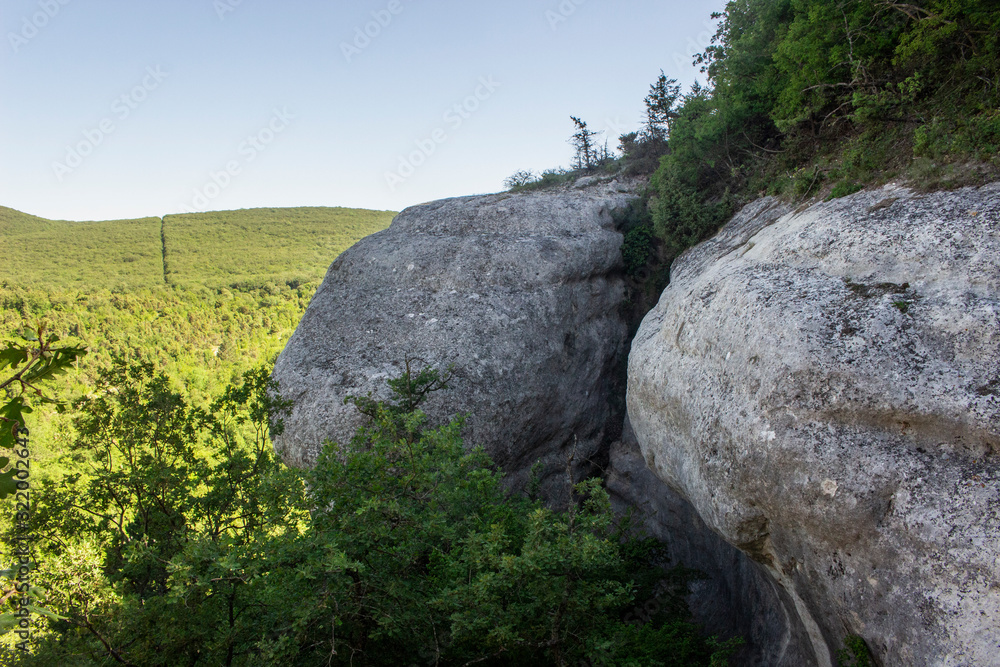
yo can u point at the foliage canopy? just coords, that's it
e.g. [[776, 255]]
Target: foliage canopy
[[188, 543], [812, 96]]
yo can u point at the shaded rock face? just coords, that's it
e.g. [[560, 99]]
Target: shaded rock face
[[522, 293], [733, 596], [823, 387]]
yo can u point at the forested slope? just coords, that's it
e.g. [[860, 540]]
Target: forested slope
[[236, 285], [79, 255]]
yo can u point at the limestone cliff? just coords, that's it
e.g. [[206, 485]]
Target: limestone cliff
[[822, 386]]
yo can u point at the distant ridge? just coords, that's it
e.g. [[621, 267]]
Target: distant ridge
[[215, 249]]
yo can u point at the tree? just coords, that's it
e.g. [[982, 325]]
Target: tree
[[190, 545], [583, 142], [428, 556], [661, 107], [627, 142], [29, 364], [519, 179], [152, 548]]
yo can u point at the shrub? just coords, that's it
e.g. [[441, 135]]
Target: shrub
[[845, 188], [636, 248], [188, 542], [519, 179], [855, 653]]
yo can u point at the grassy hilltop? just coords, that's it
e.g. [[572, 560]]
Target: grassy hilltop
[[234, 248]]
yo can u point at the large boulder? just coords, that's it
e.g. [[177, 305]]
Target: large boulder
[[521, 293], [823, 386]]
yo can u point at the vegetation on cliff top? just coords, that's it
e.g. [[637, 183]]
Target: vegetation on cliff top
[[811, 97], [814, 98]]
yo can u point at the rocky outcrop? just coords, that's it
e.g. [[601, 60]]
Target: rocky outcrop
[[823, 386], [522, 293]]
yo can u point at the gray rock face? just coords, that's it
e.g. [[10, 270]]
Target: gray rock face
[[824, 388], [735, 596], [521, 292]]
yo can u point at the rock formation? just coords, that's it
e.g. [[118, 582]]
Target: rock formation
[[815, 400], [522, 293], [823, 386]]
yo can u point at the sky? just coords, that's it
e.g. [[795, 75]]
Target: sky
[[114, 109]]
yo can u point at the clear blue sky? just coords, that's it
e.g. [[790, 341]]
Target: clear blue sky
[[128, 108]]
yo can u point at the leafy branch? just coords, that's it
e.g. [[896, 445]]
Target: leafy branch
[[25, 366]]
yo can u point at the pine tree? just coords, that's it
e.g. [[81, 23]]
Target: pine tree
[[583, 141], [660, 106]]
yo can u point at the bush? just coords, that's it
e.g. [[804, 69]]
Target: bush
[[519, 179], [845, 188], [977, 137], [550, 178], [855, 653], [636, 248], [641, 154], [189, 543]]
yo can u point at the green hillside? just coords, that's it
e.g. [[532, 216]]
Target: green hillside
[[268, 244], [83, 255], [239, 282], [223, 248]]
